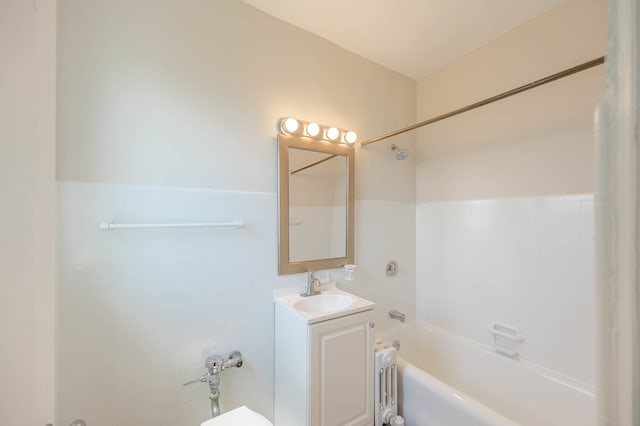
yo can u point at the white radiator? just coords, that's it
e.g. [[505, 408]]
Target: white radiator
[[386, 385]]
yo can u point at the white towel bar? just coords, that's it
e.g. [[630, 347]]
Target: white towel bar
[[105, 226]]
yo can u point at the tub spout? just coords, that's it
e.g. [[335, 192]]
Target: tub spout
[[395, 314]]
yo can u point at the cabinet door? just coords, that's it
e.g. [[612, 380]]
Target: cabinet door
[[341, 371]]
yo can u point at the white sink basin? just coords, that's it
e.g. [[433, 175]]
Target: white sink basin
[[322, 303], [331, 303]]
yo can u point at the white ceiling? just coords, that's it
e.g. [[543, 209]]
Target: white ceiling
[[412, 37]]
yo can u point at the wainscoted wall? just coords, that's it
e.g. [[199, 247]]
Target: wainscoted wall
[[527, 262], [140, 310], [185, 96]]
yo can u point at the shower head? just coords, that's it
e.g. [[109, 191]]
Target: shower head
[[401, 154]]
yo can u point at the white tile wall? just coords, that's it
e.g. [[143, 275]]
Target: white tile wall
[[526, 262], [385, 231], [140, 310]]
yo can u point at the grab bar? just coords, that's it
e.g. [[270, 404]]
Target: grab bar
[[509, 333], [515, 338], [508, 352]]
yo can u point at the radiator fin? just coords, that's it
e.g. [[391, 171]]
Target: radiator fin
[[386, 384]]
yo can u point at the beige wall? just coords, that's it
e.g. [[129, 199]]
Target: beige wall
[[27, 217], [190, 94], [539, 142]]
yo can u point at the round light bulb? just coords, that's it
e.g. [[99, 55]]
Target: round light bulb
[[351, 136], [313, 129], [291, 125], [333, 133]]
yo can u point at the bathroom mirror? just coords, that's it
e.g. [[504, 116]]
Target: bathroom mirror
[[315, 201]]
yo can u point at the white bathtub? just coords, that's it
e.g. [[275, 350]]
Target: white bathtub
[[448, 380]]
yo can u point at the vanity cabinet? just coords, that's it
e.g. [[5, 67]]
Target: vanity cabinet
[[323, 370]]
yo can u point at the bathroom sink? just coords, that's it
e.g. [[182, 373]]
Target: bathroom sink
[[331, 303], [323, 303]]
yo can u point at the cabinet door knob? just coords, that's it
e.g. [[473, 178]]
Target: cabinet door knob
[[372, 324]]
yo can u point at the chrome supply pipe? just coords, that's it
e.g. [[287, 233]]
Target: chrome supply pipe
[[214, 366]]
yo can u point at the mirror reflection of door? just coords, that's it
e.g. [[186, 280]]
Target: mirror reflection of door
[[317, 205]]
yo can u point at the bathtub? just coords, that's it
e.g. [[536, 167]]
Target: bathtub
[[448, 380]]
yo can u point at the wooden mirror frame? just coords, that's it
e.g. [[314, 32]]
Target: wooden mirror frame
[[285, 266]]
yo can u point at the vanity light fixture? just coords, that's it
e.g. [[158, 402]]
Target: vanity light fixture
[[292, 126], [333, 134], [312, 129], [350, 137]]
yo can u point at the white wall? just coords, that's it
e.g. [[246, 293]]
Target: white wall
[[27, 187], [189, 94], [161, 106], [140, 310], [482, 255], [525, 262], [536, 143]]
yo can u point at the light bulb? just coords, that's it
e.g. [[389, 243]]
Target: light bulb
[[333, 133], [351, 136], [313, 129], [291, 125]]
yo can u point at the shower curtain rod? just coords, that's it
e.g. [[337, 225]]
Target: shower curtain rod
[[573, 70]]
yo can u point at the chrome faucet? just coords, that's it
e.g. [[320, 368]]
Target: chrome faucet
[[395, 314], [312, 284]]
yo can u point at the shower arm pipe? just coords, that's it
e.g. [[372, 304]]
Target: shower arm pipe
[[553, 77]]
